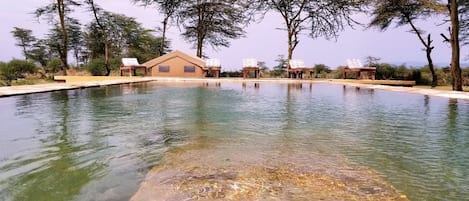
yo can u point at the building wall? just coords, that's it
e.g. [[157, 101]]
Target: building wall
[[176, 69]]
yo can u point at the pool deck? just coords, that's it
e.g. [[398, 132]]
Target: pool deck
[[79, 82]]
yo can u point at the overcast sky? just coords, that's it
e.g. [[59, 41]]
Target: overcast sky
[[263, 40]]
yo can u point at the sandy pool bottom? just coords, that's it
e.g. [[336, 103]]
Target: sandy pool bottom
[[199, 172]]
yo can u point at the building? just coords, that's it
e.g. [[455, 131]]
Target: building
[[180, 64]]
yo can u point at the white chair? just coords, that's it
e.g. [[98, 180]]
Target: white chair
[[130, 62], [354, 63], [296, 63], [250, 62]]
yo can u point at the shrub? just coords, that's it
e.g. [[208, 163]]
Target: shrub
[[16, 69], [53, 66], [384, 72], [231, 74], [97, 67]]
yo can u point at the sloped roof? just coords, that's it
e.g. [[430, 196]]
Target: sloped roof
[[176, 53]]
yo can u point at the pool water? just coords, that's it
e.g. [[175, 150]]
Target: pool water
[[101, 143]]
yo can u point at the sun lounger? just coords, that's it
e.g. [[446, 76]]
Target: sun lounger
[[131, 65], [298, 68], [356, 66], [213, 67], [250, 64]]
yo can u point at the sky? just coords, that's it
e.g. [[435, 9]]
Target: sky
[[263, 41]]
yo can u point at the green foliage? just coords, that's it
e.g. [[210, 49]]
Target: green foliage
[[53, 65], [231, 74], [25, 40], [263, 67], [321, 70], [97, 66], [281, 67], [6, 73], [145, 46], [212, 22], [126, 38], [16, 69], [40, 53], [384, 72], [465, 75]]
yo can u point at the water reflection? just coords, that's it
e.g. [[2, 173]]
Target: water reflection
[[256, 85], [357, 90], [62, 173], [452, 116]]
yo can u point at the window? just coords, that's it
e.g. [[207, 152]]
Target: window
[[163, 69], [189, 69]]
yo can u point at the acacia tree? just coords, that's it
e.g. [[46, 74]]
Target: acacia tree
[[169, 8], [59, 9], [75, 38], [454, 10], [25, 40], [125, 37], [212, 22], [406, 12], [53, 40], [40, 52], [103, 26], [323, 18]]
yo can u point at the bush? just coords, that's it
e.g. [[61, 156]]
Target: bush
[[338, 73], [231, 74], [384, 72], [16, 69], [465, 76], [97, 67], [53, 66]]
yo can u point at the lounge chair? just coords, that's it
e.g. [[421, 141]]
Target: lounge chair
[[298, 68], [356, 66], [131, 65], [250, 64], [213, 68], [297, 64]]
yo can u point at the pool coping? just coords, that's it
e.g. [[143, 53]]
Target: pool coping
[[41, 88]]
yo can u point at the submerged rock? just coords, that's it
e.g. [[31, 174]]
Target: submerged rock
[[225, 172], [258, 182]]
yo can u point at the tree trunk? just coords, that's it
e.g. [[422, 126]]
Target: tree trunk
[[429, 49], [199, 47], [162, 44], [25, 51], [455, 68], [200, 31], [106, 55], [432, 69], [64, 54], [290, 48], [105, 35]]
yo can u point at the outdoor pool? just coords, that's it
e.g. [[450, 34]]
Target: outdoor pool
[[100, 143]]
